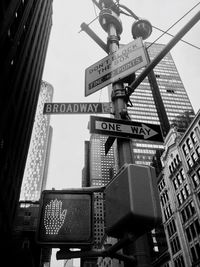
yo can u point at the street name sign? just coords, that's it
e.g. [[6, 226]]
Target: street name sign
[[125, 129], [77, 108], [116, 66]]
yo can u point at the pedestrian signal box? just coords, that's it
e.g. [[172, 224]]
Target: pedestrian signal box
[[65, 218], [132, 202]]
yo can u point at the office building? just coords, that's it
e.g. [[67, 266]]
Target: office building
[[102, 170], [148, 106], [98, 171], [179, 187], [35, 174], [24, 34]]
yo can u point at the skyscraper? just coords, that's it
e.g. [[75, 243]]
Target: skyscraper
[[24, 34], [174, 98], [145, 108], [35, 174], [102, 169], [98, 171]]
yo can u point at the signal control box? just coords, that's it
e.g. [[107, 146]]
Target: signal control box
[[132, 202]]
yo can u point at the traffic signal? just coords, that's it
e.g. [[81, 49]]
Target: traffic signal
[[132, 202], [65, 218]]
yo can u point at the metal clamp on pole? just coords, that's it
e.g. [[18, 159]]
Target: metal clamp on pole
[[113, 39], [118, 93]]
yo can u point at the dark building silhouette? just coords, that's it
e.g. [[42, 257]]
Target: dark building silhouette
[[24, 34]]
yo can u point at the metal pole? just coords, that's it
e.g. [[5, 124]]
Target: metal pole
[[86, 28], [162, 115], [139, 248]]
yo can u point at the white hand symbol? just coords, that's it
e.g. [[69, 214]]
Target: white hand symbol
[[54, 217]]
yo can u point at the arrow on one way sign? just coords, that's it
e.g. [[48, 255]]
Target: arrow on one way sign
[[126, 129]]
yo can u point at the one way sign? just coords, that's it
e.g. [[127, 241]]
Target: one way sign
[[125, 129]]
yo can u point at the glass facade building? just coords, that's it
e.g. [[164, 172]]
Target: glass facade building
[[35, 173], [174, 97], [102, 169]]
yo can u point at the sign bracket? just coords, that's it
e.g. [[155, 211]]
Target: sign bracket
[[110, 251]]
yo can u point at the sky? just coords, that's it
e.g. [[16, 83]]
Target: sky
[[70, 52]]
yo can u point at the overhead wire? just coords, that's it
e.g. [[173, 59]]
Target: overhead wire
[[95, 9], [166, 32], [173, 36], [132, 14]]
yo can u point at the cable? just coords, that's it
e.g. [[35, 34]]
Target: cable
[[131, 14], [95, 9], [165, 32], [114, 4], [173, 36]]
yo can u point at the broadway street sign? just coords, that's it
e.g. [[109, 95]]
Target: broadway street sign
[[76, 108], [116, 66], [125, 129]]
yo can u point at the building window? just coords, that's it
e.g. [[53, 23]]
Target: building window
[[179, 261], [194, 157], [183, 194], [195, 180], [188, 234], [193, 138], [170, 169], [192, 231], [187, 190], [189, 143], [197, 226], [175, 162], [171, 91], [195, 251], [178, 159], [198, 151], [171, 227], [175, 183], [189, 163], [179, 180], [182, 174], [188, 212], [180, 200], [175, 245], [185, 150], [198, 172]]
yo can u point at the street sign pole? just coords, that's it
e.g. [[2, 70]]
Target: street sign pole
[[124, 148]]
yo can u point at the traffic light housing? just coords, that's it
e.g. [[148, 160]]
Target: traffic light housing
[[132, 202], [65, 218]]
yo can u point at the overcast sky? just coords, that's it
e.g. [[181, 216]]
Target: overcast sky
[[70, 53]]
